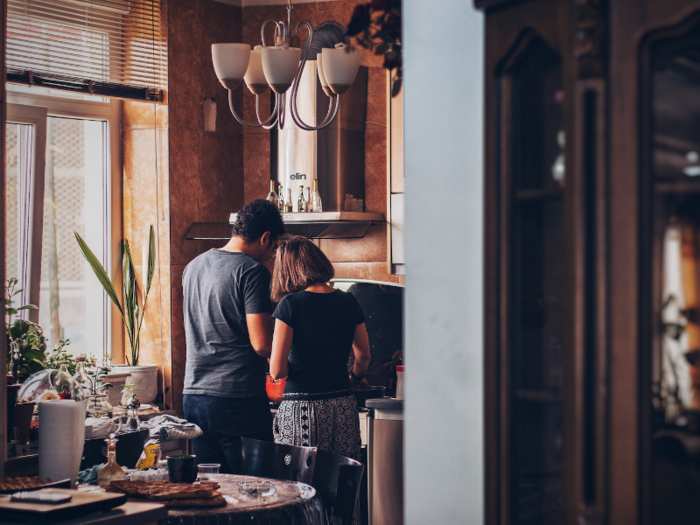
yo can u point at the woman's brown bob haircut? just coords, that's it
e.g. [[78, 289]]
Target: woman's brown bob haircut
[[300, 263]]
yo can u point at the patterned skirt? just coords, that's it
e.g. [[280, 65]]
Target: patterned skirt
[[328, 424]]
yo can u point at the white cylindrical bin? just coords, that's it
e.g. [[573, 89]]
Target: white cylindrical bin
[[399, 382]]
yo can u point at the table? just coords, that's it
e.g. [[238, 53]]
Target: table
[[292, 504]]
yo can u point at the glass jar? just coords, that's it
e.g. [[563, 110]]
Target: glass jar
[[98, 406]]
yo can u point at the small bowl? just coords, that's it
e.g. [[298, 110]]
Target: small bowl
[[257, 489]]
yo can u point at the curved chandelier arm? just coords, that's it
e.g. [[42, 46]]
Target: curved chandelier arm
[[270, 122], [279, 31], [333, 106], [273, 116], [282, 104]]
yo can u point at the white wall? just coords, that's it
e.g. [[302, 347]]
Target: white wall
[[443, 122]]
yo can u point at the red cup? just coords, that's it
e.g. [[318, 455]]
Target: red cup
[[275, 388]]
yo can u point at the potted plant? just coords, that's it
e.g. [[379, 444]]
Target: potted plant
[[25, 356], [376, 25], [143, 378], [25, 340]]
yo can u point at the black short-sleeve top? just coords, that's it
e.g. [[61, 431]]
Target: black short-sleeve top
[[324, 328]]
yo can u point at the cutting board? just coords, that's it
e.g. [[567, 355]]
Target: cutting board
[[81, 504]]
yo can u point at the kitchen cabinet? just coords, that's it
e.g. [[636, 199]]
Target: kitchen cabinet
[[592, 281]]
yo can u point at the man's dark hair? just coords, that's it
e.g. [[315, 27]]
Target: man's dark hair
[[256, 218]]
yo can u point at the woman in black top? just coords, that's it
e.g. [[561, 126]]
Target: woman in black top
[[316, 328]]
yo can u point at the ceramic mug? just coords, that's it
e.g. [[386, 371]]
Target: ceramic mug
[[182, 469]]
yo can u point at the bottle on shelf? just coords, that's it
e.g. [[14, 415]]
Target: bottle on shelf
[[272, 196], [301, 203], [315, 199], [308, 198], [280, 196], [111, 471], [288, 207]]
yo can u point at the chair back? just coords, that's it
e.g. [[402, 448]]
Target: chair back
[[337, 482], [271, 460]]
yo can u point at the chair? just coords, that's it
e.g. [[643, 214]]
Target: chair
[[271, 460], [337, 482]]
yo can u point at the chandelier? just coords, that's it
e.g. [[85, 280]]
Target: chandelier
[[281, 66]]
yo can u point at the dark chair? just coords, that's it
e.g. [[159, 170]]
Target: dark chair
[[337, 481], [129, 448], [270, 460]]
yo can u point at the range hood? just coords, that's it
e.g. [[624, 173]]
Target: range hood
[[328, 224], [324, 225]]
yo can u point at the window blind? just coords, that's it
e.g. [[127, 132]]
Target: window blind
[[115, 48]]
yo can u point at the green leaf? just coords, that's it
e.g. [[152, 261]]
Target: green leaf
[[130, 292], [10, 311], [99, 272], [151, 263], [28, 307], [33, 353]]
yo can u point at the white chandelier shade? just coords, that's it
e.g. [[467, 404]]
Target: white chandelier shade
[[230, 63], [254, 76], [340, 66], [281, 67], [321, 76]]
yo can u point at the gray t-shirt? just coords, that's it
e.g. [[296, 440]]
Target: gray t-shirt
[[220, 288]]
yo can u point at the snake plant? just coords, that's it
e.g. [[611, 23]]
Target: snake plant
[[132, 311]]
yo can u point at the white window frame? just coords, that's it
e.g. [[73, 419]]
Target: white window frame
[[30, 282], [109, 111]]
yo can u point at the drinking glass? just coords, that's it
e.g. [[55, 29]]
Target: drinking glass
[[207, 469]]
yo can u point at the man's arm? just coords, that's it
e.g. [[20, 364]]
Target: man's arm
[[260, 329]]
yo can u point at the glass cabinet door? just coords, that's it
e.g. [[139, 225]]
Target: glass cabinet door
[[671, 313], [534, 178]]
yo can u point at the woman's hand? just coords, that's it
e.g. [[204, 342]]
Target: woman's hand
[[358, 385]]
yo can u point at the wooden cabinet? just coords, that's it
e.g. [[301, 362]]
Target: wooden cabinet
[[592, 285]]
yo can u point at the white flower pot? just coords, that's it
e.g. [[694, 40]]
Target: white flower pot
[[143, 380]]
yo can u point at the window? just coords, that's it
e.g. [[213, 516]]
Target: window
[[105, 47], [62, 177]]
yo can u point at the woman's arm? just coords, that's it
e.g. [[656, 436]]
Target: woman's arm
[[281, 345], [360, 347]]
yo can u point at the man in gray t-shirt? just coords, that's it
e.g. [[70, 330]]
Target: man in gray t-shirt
[[228, 328]]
